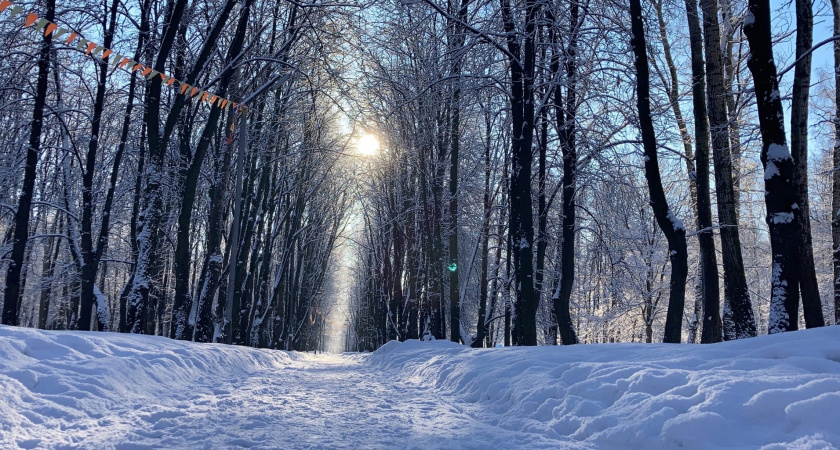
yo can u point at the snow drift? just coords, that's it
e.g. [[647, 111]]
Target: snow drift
[[104, 390], [780, 391]]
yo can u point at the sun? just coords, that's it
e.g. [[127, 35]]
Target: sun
[[368, 145]]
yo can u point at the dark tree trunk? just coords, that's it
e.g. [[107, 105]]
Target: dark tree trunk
[[809, 288], [779, 186], [181, 328], [835, 174], [709, 291], [91, 255], [670, 225], [566, 126], [521, 63], [739, 320], [12, 291], [481, 327]]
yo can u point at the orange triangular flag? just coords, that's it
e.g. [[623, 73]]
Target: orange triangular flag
[[224, 103], [146, 71], [194, 90], [204, 97], [170, 81], [124, 62], [106, 53], [70, 39], [50, 28], [213, 100], [137, 67], [5, 4], [184, 87], [30, 19]]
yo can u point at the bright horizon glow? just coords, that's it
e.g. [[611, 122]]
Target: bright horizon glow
[[368, 145]]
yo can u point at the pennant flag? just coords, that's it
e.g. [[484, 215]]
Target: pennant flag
[[15, 11], [30, 19], [118, 61], [41, 24], [60, 32]]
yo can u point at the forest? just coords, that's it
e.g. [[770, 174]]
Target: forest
[[304, 175]]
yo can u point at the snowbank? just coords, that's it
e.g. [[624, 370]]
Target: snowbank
[[107, 390], [780, 391], [71, 387]]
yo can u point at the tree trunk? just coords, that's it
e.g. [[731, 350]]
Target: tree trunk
[[738, 312], [811, 304], [835, 174], [670, 225], [780, 190], [522, 59], [481, 327], [709, 292], [181, 328], [91, 255], [12, 291], [566, 126]]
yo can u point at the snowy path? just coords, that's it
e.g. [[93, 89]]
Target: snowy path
[[328, 401], [87, 390], [111, 391]]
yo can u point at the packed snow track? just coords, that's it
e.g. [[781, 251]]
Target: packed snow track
[[99, 390]]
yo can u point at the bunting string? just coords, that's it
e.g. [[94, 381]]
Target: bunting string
[[115, 59]]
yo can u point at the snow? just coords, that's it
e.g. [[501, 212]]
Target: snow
[[106, 390], [778, 152], [675, 221], [770, 170], [781, 217]]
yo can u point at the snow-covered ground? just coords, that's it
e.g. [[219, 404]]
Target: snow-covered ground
[[100, 390]]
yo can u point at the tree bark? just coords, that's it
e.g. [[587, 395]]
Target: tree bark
[[182, 305], [740, 322], [809, 288], [12, 290], [522, 59], [835, 174], [670, 225], [90, 255], [709, 290], [780, 190]]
